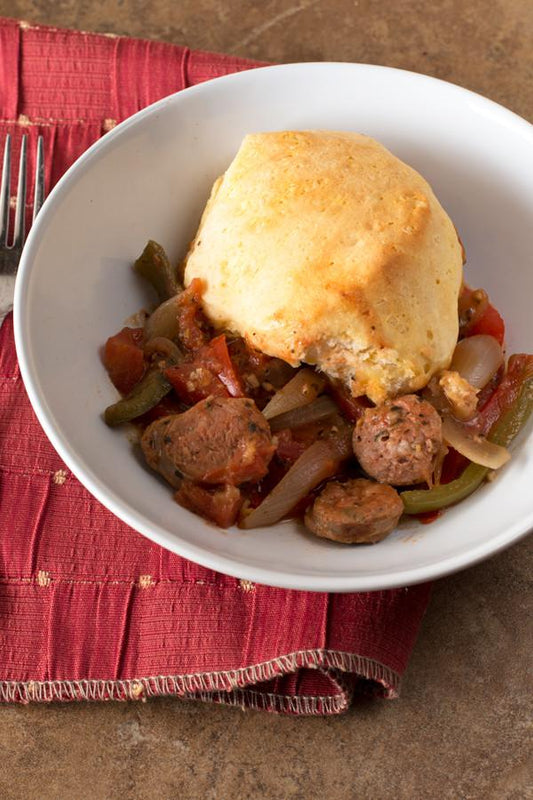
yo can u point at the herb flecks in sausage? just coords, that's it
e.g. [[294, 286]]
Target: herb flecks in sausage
[[217, 441], [357, 511], [397, 442]]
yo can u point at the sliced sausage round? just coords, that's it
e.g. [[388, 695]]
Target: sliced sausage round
[[397, 442], [218, 440], [357, 511]]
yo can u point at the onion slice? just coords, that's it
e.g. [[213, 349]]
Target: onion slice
[[163, 321], [161, 346], [477, 359], [299, 391], [319, 409], [315, 464], [472, 446]]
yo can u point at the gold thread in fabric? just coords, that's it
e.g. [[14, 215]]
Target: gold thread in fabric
[[43, 578], [27, 472], [59, 477], [26, 122]]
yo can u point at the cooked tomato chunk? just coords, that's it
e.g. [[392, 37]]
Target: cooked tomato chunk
[[194, 330], [218, 504], [123, 358], [490, 324]]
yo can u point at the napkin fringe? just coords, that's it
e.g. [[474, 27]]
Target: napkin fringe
[[228, 686], [302, 705]]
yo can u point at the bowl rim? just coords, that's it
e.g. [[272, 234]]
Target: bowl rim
[[109, 499]]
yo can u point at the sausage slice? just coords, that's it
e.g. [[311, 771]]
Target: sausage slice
[[397, 442], [218, 440], [355, 512]]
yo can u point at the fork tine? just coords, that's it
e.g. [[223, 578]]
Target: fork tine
[[38, 196], [4, 191], [18, 236]]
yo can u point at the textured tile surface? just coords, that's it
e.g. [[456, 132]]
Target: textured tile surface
[[462, 727]]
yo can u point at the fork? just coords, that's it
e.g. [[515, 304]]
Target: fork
[[10, 252]]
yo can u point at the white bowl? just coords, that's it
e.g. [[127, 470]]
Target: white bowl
[[150, 177]]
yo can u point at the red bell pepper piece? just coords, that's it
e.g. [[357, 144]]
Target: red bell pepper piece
[[519, 369], [209, 372], [352, 407]]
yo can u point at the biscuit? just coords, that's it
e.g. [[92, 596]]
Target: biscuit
[[322, 247]]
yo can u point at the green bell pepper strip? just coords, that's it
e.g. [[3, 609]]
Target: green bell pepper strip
[[153, 264], [147, 394], [418, 501]]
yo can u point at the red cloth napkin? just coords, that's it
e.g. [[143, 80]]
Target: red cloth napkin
[[90, 609]]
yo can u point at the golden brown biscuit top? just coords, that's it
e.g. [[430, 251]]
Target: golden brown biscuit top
[[322, 247]]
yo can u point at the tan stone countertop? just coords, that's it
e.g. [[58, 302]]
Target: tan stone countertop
[[461, 729]]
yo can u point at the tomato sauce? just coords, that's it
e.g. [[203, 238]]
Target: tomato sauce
[[224, 365]]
